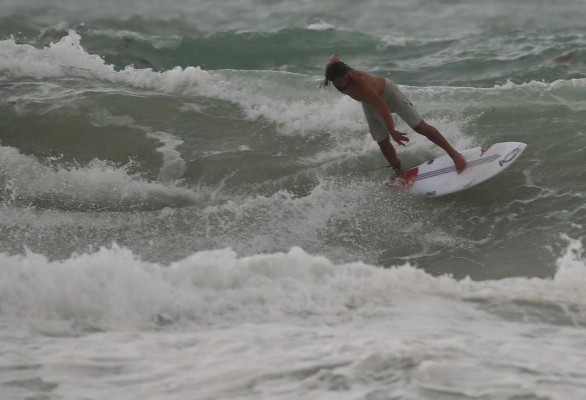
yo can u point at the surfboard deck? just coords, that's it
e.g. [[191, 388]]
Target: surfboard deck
[[438, 177]]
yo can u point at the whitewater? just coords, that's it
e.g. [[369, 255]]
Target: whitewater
[[185, 213]]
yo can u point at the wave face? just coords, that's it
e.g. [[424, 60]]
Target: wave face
[[185, 213]]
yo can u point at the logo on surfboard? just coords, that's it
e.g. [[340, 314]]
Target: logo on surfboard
[[510, 157]]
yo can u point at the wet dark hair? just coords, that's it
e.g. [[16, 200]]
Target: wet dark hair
[[335, 70]]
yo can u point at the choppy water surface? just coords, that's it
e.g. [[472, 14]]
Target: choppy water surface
[[185, 212]]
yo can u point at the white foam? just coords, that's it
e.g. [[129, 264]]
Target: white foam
[[320, 26], [114, 289], [173, 166], [230, 222], [98, 185], [56, 60], [257, 96], [291, 101], [158, 42]]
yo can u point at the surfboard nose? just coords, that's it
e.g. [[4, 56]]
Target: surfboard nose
[[439, 177]]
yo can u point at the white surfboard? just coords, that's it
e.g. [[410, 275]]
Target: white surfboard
[[438, 177]]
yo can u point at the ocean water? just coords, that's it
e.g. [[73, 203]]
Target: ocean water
[[186, 214]]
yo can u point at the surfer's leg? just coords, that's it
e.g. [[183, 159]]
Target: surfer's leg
[[430, 132], [399, 103], [390, 154]]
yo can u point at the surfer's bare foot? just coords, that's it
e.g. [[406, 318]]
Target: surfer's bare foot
[[459, 162], [401, 174], [399, 178]]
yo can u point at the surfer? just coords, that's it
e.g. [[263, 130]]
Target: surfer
[[380, 96]]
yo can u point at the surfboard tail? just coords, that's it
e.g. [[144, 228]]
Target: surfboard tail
[[405, 180]]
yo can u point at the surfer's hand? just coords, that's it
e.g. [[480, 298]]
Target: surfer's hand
[[399, 137], [459, 162]]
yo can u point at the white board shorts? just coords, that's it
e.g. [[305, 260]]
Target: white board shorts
[[397, 103]]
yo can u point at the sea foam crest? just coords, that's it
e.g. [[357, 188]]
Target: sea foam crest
[[115, 289], [293, 102], [59, 59], [99, 185]]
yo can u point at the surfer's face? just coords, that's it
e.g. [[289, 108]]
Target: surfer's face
[[341, 82]]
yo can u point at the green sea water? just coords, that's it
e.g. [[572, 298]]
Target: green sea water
[[173, 130]]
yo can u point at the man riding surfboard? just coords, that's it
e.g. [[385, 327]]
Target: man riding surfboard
[[380, 97]]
